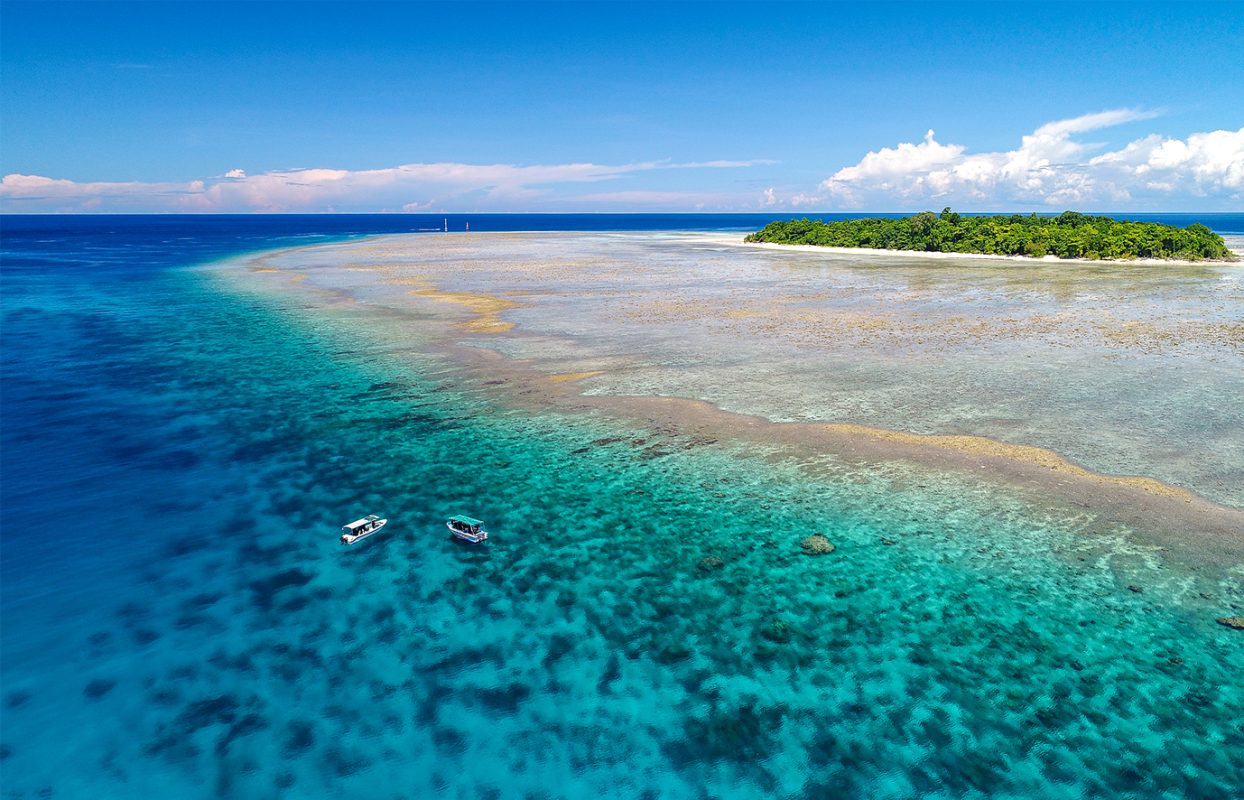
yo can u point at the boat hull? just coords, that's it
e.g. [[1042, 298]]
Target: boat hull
[[472, 538], [348, 539]]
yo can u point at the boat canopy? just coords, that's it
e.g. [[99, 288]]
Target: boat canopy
[[353, 526], [466, 521]]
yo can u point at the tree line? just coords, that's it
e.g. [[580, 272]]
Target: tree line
[[1068, 235]]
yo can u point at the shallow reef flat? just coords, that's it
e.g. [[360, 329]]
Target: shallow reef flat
[[1123, 369]]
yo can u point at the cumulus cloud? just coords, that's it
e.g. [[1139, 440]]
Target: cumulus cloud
[[1209, 162], [407, 187], [1052, 167]]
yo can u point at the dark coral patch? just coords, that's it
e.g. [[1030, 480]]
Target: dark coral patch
[[345, 764], [299, 738], [743, 735], [247, 725], [672, 653], [98, 688], [559, 646], [264, 590], [175, 739], [165, 697], [449, 739], [16, 699], [466, 657], [504, 698], [201, 601], [144, 636], [429, 707], [209, 711]]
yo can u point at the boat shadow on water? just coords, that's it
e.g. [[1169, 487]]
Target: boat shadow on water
[[470, 551]]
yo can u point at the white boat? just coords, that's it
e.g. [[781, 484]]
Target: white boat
[[467, 529], [361, 529]]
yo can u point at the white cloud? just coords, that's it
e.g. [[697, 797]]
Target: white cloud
[[798, 201], [899, 161], [318, 189], [1049, 167], [1093, 122], [24, 192], [801, 200], [1204, 162]]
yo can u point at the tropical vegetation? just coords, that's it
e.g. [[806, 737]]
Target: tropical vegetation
[[1068, 235]]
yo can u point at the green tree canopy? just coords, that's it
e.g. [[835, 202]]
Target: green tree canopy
[[1068, 235]]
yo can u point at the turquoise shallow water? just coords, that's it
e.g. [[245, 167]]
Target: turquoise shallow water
[[205, 636]]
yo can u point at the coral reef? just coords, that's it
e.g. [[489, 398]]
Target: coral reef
[[817, 544]]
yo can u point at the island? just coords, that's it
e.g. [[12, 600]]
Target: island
[[1069, 235]]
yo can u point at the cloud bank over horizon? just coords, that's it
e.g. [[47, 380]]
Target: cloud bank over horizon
[[1052, 167], [409, 187]]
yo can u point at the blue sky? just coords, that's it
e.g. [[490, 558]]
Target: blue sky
[[614, 106]]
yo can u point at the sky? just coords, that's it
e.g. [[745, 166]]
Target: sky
[[610, 106]]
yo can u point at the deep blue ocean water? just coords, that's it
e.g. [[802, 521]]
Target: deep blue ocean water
[[177, 619]]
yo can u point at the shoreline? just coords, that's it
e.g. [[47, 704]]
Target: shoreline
[[936, 255], [1161, 513]]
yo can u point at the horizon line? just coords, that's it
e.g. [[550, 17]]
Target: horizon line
[[535, 213]]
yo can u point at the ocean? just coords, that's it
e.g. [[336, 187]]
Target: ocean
[[177, 618]]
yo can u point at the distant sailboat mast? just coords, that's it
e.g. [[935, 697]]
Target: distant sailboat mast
[[446, 224]]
